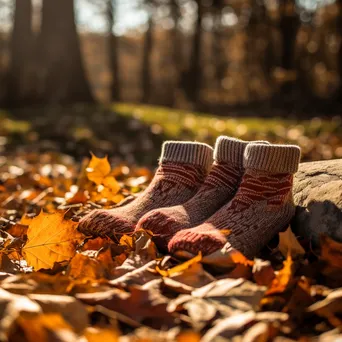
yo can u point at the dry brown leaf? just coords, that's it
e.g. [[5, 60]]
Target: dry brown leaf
[[177, 286], [91, 265], [240, 271], [300, 298], [263, 272], [84, 267], [8, 265], [194, 276], [229, 327], [218, 288], [259, 332], [45, 328], [331, 251], [139, 304], [71, 309], [11, 307], [95, 244], [51, 238], [227, 257], [288, 244], [18, 230], [200, 311], [330, 308], [131, 274]]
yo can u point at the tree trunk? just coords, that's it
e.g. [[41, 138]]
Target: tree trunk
[[289, 25], [20, 69], [62, 73], [146, 79], [192, 78], [318, 196], [177, 50], [115, 88], [339, 92], [219, 62]]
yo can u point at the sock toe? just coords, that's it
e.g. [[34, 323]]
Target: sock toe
[[104, 223], [193, 240], [156, 221]]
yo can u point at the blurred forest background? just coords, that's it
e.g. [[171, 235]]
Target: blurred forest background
[[232, 58]]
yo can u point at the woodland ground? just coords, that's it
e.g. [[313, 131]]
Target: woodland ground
[[56, 284], [134, 134]]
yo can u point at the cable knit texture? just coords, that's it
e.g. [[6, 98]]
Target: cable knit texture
[[182, 169], [262, 206], [219, 187]]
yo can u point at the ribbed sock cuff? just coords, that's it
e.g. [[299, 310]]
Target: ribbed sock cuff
[[187, 152], [272, 158], [229, 150]]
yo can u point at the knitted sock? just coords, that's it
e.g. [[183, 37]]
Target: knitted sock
[[261, 208], [219, 187], [182, 169]]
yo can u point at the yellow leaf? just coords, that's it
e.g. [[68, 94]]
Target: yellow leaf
[[45, 327], [98, 169], [227, 258], [51, 239], [288, 243], [283, 278], [112, 184], [99, 335], [127, 240], [225, 232], [188, 336], [108, 195], [180, 268], [25, 220]]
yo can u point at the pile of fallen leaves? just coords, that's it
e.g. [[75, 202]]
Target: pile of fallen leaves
[[59, 285]]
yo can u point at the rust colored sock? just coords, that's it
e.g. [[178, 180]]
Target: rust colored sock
[[183, 167], [262, 206], [219, 188]]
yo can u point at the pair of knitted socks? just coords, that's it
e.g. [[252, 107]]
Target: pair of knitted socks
[[191, 201]]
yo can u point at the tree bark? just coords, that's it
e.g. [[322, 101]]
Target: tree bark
[[20, 69], [318, 196], [115, 88], [177, 50], [192, 78], [339, 92], [62, 73], [146, 79], [289, 25]]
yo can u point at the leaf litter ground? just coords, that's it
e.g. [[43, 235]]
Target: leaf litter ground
[[57, 284]]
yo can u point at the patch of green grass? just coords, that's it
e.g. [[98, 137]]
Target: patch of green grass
[[9, 125], [175, 122], [318, 138], [136, 132]]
